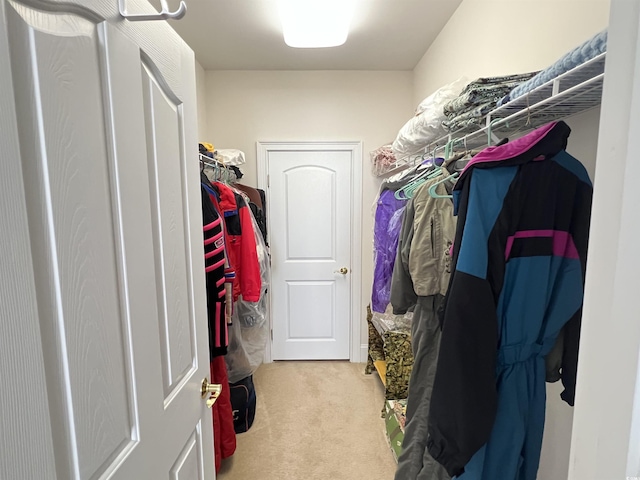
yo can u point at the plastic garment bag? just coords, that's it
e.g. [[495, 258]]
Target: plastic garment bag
[[249, 332], [387, 226]]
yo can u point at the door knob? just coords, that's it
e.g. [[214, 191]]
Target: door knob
[[210, 388], [343, 271]]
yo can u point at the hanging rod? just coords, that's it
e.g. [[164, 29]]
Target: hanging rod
[[219, 168], [164, 14], [210, 161]]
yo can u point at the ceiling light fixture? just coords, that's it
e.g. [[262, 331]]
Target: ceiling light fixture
[[316, 23]]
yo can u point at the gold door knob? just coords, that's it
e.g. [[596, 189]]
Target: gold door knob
[[343, 271], [210, 388]]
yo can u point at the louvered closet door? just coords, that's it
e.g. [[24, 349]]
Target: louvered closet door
[[104, 332]]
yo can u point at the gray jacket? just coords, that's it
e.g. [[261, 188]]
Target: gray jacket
[[423, 262]]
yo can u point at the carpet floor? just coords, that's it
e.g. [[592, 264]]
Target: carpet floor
[[314, 421]]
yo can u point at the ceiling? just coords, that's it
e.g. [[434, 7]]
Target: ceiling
[[246, 35]]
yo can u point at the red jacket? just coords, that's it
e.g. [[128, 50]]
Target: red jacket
[[241, 243], [224, 434]]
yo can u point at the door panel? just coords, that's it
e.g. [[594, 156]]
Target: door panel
[[79, 255], [309, 198], [188, 465], [116, 243], [318, 242], [163, 116], [21, 355], [319, 322]]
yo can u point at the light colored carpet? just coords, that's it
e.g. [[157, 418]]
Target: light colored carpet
[[314, 421]]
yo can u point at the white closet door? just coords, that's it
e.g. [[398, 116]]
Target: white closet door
[[103, 331], [310, 217]]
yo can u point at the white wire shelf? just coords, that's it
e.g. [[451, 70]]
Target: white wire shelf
[[569, 94]]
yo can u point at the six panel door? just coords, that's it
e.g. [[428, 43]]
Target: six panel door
[[111, 182]]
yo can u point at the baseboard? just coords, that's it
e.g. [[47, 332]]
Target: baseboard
[[364, 353]]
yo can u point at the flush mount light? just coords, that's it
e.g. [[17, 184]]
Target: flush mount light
[[315, 23]]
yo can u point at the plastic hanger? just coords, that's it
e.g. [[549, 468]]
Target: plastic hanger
[[220, 172], [406, 192], [432, 188]]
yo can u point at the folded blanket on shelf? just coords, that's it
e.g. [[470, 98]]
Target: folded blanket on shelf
[[479, 98], [470, 119], [579, 55], [484, 90]]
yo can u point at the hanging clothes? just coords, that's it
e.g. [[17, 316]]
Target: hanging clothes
[[257, 207], [251, 192], [250, 331], [386, 230], [420, 278], [224, 434], [217, 276], [415, 462], [241, 243], [217, 273], [519, 264], [261, 217], [423, 262]]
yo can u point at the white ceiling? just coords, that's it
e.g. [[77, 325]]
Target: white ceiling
[[246, 35]]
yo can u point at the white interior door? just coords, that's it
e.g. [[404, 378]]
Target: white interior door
[[103, 336], [310, 218]]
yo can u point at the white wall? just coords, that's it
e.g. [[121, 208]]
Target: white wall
[[201, 100], [244, 107], [497, 37]]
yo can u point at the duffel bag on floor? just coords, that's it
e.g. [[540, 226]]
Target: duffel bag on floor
[[243, 403]]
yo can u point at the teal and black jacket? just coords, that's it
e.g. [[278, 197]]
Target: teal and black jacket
[[519, 260]]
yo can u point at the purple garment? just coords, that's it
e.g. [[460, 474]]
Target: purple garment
[[386, 232]]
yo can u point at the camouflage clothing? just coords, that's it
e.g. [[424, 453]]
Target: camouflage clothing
[[376, 347], [399, 358], [390, 340]]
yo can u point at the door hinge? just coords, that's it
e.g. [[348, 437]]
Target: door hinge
[[268, 181], [272, 335]]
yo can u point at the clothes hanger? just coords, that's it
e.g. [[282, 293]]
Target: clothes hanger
[[432, 188], [460, 163], [225, 173], [206, 161], [407, 191], [221, 173], [449, 150]]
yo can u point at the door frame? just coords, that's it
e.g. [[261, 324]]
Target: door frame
[[608, 384], [263, 149]]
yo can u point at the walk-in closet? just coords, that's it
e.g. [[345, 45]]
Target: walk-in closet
[[304, 240]]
